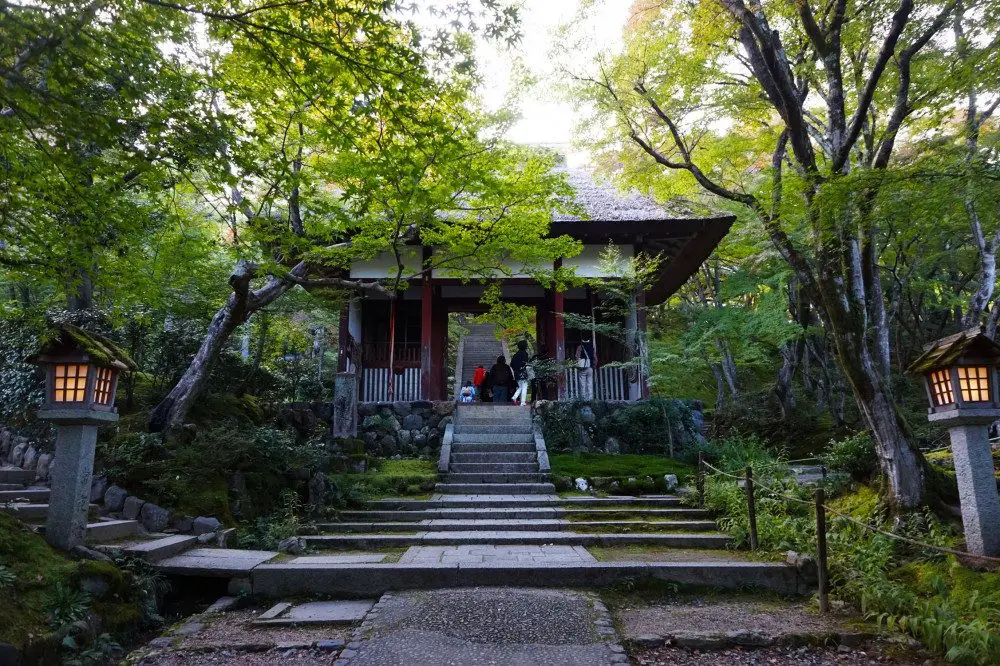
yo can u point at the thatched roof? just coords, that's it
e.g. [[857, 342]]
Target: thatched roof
[[66, 338], [601, 201], [947, 351]]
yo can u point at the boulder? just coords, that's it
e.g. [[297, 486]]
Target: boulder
[[405, 438], [183, 524], [366, 409], [292, 545], [419, 439], [301, 419], [5, 442], [154, 518], [670, 482], [582, 485], [205, 525], [17, 453], [30, 460], [98, 488], [612, 446], [114, 498], [206, 538], [403, 409], [445, 408], [587, 415], [132, 508], [388, 446], [42, 467]]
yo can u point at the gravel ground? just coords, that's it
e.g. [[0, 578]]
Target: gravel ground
[[773, 618], [867, 656], [232, 629], [241, 658]]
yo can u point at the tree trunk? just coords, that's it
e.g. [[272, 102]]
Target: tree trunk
[[240, 305]]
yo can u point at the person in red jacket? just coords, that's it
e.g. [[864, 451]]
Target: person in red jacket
[[477, 380]]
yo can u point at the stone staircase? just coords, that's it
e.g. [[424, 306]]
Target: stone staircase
[[30, 504], [480, 347], [493, 451]]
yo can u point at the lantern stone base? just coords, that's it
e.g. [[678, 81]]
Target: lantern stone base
[[69, 499], [977, 488]]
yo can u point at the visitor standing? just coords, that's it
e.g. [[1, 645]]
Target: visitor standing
[[586, 359], [478, 377], [519, 366], [502, 380]]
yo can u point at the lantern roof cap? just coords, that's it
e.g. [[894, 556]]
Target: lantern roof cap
[[63, 339], [948, 351]]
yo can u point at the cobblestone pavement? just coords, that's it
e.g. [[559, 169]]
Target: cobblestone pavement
[[472, 626], [487, 554]]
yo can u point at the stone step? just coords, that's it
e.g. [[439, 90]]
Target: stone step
[[495, 477], [485, 447], [109, 530], [495, 488], [154, 550], [506, 513], [493, 468], [22, 477], [526, 538], [521, 525], [497, 458], [504, 501], [517, 431], [29, 512], [214, 562], [290, 579], [11, 486], [25, 495], [492, 438]]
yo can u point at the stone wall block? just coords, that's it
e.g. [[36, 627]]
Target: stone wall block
[[154, 518], [132, 507], [114, 498]]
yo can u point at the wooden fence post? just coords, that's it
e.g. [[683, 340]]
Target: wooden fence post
[[821, 571], [751, 509], [700, 479]]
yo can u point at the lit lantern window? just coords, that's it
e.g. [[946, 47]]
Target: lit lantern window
[[103, 386], [941, 387], [974, 383]]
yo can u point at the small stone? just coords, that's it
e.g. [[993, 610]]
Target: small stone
[[292, 545], [132, 507], [648, 641], [330, 644], [843, 648], [206, 538], [114, 498], [582, 485], [670, 482], [205, 524], [184, 524], [30, 459], [161, 642]]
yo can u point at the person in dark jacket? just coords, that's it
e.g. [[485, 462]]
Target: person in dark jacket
[[519, 366], [503, 379], [538, 382]]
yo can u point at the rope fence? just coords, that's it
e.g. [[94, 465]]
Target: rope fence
[[752, 485]]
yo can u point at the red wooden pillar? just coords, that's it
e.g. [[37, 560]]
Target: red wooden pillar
[[426, 340], [439, 348]]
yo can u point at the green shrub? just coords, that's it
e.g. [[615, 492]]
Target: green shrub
[[854, 455], [7, 578]]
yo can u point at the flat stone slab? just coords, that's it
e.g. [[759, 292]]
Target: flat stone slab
[[361, 558], [492, 554], [316, 612], [475, 626], [215, 562]]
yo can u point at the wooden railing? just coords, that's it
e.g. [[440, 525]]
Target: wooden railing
[[376, 354], [375, 385], [610, 383]]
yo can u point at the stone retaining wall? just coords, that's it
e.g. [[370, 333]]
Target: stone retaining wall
[[404, 428], [19, 451], [599, 426]]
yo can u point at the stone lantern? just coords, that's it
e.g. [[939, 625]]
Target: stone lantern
[[960, 376], [81, 377]]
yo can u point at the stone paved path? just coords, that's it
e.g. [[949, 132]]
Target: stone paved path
[[473, 626], [490, 554]]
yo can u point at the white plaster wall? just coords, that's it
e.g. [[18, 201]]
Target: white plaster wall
[[384, 265], [587, 263]]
